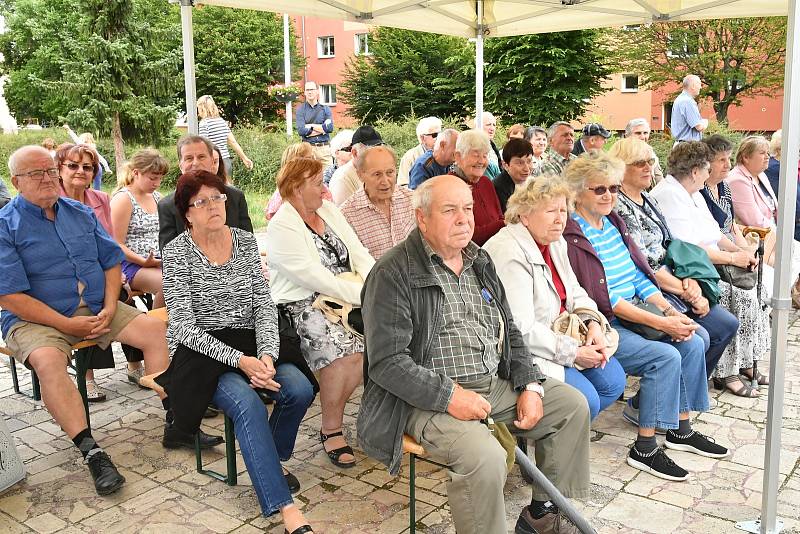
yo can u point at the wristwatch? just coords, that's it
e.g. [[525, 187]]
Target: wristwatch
[[536, 387]]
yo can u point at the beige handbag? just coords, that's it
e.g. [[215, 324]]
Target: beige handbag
[[571, 324], [339, 311]]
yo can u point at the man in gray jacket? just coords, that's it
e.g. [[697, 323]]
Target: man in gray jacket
[[443, 358]]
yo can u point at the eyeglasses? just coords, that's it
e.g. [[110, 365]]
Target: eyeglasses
[[39, 175], [601, 189], [642, 163], [206, 202], [75, 166], [434, 134]]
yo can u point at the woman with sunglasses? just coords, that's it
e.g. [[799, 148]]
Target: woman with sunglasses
[[648, 229], [77, 166], [134, 211], [689, 219], [616, 275]]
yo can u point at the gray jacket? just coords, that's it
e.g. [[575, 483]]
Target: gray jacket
[[402, 308]]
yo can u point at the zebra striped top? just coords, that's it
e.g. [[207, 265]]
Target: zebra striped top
[[201, 297], [216, 130], [623, 279]]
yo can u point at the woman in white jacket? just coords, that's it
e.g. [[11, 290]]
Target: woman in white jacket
[[310, 243], [531, 259]]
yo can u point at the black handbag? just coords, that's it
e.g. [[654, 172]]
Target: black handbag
[[647, 332], [289, 351], [737, 277]]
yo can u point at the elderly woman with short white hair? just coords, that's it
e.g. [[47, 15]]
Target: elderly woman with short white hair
[[530, 255], [472, 158]]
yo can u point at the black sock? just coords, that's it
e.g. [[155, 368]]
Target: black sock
[[539, 509], [684, 427], [635, 401], [645, 444], [169, 417], [85, 442]]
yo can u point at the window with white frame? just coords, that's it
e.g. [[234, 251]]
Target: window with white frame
[[325, 46], [630, 83], [361, 44], [327, 94]]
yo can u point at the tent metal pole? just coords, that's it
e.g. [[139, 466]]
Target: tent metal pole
[[287, 71], [479, 67], [782, 303], [188, 65]]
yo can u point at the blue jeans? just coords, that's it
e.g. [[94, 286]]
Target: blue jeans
[[265, 445], [718, 327], [601, 387], [673, 376]]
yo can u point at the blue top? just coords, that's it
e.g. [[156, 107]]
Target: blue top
[[319, 114], [773, 173], [685, 116], [5, 196], [46, 259], [425, 167], [623, 279]]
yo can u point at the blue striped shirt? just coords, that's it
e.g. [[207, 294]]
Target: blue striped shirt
[[623, 279]]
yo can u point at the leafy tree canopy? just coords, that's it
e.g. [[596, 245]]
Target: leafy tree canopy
[[734, 58], [533, 79], [238, 54]]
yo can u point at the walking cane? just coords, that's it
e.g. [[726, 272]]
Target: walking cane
[[760, 233]]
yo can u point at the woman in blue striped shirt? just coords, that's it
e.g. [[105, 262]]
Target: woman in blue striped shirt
[[617, 277]]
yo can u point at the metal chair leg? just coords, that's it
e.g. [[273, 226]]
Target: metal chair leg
[[36, 393], [82, 357], [412, 497], [231, 477], [14, 378]]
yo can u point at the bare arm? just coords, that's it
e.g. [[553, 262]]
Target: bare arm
[[33, 310], [238, 149]]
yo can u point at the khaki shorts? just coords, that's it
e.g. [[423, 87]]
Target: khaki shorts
[[25, 337]]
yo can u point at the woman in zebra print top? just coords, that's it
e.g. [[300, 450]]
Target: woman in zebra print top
[[223, 338]]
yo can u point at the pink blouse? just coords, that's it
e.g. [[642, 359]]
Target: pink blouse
[[753, 205], [101, 205]]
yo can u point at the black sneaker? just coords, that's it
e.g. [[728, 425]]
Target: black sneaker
[[695, 442], [175, 438], [657, 463], [107, 479]]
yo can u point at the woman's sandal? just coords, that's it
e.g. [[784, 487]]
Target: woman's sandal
[[748, 374], [335, 454], [744, 391], [300, 530], [93, 393]]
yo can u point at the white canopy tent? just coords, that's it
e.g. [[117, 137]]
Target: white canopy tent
[[496, 18]]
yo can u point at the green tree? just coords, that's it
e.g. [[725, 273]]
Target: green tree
[[734, 58], [402, 77], [533, 79], [238, 54], [99, 64]]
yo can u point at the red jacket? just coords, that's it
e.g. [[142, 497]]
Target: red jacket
[[486, 210], [589, 269]]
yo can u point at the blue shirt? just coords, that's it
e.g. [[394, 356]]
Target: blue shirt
[[425, 167], [623, 279], [685, 116], [46, 259], [319, 114]]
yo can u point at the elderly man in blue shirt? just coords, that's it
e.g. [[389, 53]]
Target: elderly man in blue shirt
[[687, 124], [60, 279]]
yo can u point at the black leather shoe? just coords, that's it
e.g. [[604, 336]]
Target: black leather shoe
[[106, 477], [291, 481], [175, 438]]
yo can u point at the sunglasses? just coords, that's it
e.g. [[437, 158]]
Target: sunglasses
[[75, 166], [642, 163], [601, 189], [434, 134]]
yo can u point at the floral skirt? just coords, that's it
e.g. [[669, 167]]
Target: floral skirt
[[753, 339], [321, 341]]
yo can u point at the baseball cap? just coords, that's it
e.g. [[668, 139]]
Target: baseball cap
[[594, 128], [367, 135]]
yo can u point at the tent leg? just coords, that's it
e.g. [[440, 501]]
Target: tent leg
[[188, 65], [479, 68], [781, 302]]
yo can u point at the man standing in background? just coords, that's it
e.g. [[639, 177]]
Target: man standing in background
[[315, 123]]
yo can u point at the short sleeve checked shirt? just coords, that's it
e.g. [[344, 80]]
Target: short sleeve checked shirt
[[373, 230]]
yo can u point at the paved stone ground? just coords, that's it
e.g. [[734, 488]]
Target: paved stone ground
[[163, 492]]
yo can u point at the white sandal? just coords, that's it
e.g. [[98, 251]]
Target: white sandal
[[93, 393]]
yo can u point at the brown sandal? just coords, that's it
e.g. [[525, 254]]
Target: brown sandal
[[744, 391], [761, 380]]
